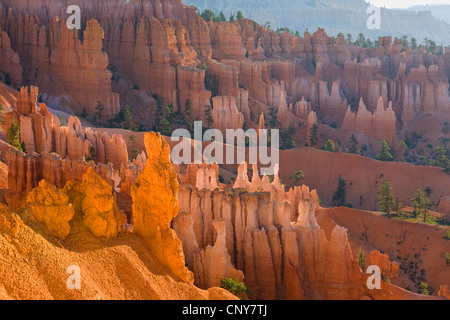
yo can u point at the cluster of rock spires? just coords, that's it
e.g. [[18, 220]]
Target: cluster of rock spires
[[159, 46], [258, 232], [252, 230], [58, 153]]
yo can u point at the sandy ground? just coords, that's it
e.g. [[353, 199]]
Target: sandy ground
[[33, 266]]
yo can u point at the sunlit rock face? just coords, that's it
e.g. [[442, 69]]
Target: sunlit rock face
[[51, 207], [93, 199], [155, 204]]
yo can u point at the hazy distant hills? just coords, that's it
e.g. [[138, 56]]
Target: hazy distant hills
[[346, 16], [440, 11]]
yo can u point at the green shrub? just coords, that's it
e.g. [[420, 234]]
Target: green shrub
[[14, 135], [134, 153], [361, 259], [424, 289], [92, 154], [236, 287]]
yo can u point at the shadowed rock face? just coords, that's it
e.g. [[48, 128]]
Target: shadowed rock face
[[9, 60], [80, 68], [159, 46]]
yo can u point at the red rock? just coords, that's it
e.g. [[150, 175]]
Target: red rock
[[444, 205], [389, 270], [380, 125], [9, 60], [80, 68], [155, 204]]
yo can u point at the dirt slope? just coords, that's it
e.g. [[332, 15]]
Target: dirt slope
[[364, 176], [415, 246], [33, 266]]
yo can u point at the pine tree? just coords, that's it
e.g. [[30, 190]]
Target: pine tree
[[239, 15], [354, 146], [421, 204], [8, 80], [442, 160], [208, 116], [361, 259], [339, 197], [159, 114], [384, 153], [62, 122], [329, 145], [386, 200], [445, 140], [273, 120], [207, 15], [297, 176], [349, 39], [424, 289], [222, 17], [188, 112], [416, 202], [165, 127], [414, 43], [403, 41], [14, 135], [314, 135]]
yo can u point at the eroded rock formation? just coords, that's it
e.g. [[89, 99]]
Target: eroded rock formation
[[165, 48], [389, 270], [155, 204], [272, 237], [79, 70], [41, 132], [93, 199], [9, 60], [225, 114], [51, 207], [381, 124]]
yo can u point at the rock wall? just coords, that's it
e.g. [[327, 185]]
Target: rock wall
[[9, 60], [79, 70], [70, 69], [225, 114], [162, 48]]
